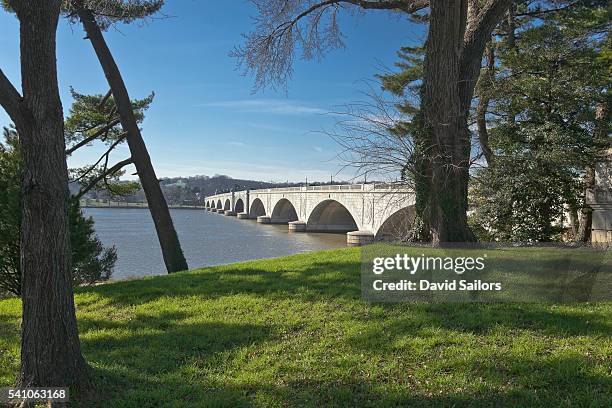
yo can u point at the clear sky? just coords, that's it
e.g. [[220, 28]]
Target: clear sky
[[205, 118]]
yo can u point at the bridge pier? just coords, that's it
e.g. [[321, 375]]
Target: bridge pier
[[358, 238], [229, 213], [243, 216], [213, 209], [278, 221], [264, 219], [297, 226]]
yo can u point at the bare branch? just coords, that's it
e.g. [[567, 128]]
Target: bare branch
[[371, 142], [105, 155], [283, 25], [407, 6], [103, 176]]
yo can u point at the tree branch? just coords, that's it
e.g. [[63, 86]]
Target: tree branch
[[483, 105], [480, 25], [103, 176], [10, 99], [408, 6], [539, 12], [269, 49], [105, 155], [93, 137], [105, 99]]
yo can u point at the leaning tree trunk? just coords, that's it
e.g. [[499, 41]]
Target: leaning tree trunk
[[454, 50], [50, 348], [166, 233]]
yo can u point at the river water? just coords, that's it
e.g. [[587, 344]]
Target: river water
[[207, 239]]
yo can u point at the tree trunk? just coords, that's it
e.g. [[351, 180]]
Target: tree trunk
[[446, 135], [600, 135], [454, 51], [585, 219], [166, 233], [585, 225], [50, 347], [483, 105]]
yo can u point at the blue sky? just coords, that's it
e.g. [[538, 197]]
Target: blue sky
[[205, 118]]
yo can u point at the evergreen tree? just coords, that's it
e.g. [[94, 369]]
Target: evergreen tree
[[94, 118], [91, 262], [551, 80]]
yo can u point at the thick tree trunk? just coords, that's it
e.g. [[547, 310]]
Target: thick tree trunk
[[50, 348], [447, 142], [166, 233], [454, 51]]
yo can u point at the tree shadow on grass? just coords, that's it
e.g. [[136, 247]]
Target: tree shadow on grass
[[329, 280], [400, 391], [482, 318], [340, 282], [172, 359], [147, 356]]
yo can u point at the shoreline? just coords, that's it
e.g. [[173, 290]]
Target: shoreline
[[144, 207]]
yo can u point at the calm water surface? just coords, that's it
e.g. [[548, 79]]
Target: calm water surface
[[207, 239]]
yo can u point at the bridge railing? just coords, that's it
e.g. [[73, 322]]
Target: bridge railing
[[382, 187]]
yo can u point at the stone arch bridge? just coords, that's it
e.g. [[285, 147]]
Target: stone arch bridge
[[363, 211]]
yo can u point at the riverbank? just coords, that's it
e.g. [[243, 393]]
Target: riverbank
[[293, 331]]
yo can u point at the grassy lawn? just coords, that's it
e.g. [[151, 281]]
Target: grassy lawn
[[294, 332]]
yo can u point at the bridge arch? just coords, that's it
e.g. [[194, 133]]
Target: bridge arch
[[331, 215], [284, 211], [398, 225], [257, 208], [227, 205], [219, 205], [239, 206], [208, 204]]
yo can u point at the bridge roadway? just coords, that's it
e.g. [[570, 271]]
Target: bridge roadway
[[364, 211]]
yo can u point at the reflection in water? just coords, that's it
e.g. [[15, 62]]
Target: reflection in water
[[207, 239]]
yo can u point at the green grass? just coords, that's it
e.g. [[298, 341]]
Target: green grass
[[294, 332]]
